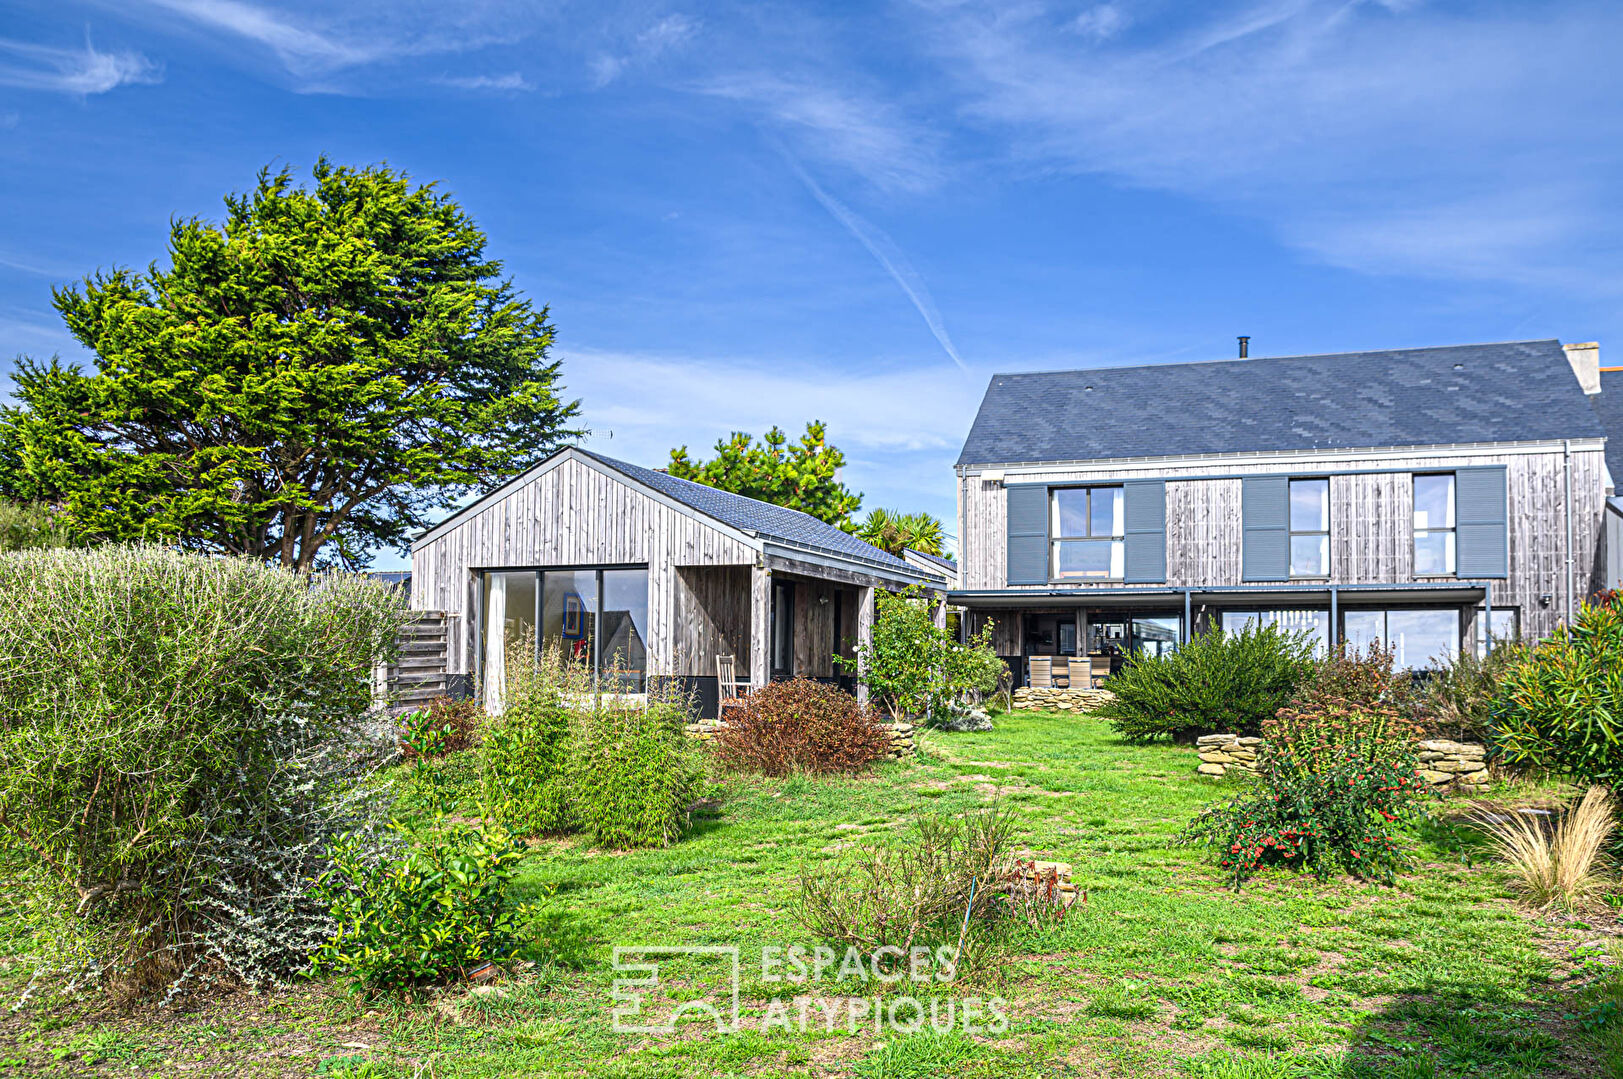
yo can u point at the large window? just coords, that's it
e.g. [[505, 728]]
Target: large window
[[1310, 528], [1506, 627], [1089, 533], [1418, 638], [1434, 525], [597, 618], [1314, 623]]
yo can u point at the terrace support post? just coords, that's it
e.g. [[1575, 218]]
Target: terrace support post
[[1335, 623], [1188, 630], [940, 614], [864, 639], [760, 626], [1487, 615]]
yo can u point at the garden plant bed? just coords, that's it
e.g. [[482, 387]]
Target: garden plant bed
[[1165, 970]]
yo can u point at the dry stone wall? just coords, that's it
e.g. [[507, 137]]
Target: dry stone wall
[[1442, 762], [1077, 700]]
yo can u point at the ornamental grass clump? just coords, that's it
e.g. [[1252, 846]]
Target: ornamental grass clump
[[1335, 773], [633, 770], [1553, 866], [179, 740], [525, 780]]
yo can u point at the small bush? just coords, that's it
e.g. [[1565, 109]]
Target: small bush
[[915, 891], [446, 726], [24, 526], [1457, 700], [425, 915], [633, 771], [1336, 770], [1560, 706], [1557, 866], [917, 670], [801, 726], [527, 747], [177, 741], [1216, 682]]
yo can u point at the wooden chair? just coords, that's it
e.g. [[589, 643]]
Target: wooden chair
[[1040, 672], [731, 687], [1062, 672], [1098, 670]]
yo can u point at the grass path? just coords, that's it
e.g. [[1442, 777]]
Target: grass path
[[1164, 971]]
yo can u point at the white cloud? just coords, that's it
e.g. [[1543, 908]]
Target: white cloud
[[299, 47], [899, 429], [512, 82], [1099, 23], [838, 124], [645, 46], [71, 71], [1377, 137]]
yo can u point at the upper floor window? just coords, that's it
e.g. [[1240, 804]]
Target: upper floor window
[[1434, 524], [1089, 533], [1310, 528]]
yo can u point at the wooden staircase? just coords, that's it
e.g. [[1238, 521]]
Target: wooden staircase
[[419, 675]]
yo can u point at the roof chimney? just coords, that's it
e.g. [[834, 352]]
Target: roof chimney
[[1245, 347], [1585, 361]]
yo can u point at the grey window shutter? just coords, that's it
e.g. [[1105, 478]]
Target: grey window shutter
[[1145, 518], [1027, 521], [1265, 517], [1481, 532]]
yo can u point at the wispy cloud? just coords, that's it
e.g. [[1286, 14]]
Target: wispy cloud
[[899, 443], [85, 71], [644, 47], [1375, 136], [512, 82], [300, 47], [837, 124], [889, 256]]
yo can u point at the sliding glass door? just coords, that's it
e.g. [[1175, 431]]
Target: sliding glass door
[[597, 618]]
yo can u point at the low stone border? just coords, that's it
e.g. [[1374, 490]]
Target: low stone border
[[1442, 763], [901, 735], [1060, 700]]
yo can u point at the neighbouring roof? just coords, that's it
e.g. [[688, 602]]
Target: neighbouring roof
[[751, 515], [940, 560], [1608, 405], [1511, 392]]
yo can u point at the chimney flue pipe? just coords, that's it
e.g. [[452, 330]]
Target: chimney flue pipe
[[1245, 347]]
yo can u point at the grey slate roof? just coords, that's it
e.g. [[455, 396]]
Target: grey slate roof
[[945, 563], [1514, 391], [751, 515], [1608, 404]]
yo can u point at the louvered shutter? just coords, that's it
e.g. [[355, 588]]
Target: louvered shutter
[[1027, 522], [1481, 532], [1145, 518], [1265, 514]]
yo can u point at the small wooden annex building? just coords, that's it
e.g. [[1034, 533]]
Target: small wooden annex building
[[643, 577]]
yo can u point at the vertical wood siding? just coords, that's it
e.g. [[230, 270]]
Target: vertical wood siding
[[574, 515], [1371, 524]]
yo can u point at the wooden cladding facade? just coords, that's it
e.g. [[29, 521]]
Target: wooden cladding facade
[[1371, 519], [573, 514]]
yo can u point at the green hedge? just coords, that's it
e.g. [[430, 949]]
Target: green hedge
[[175, 737], [1216, 682]]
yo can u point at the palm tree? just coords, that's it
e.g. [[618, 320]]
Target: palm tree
[[892, 532]]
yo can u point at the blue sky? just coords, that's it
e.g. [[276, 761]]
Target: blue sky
[[757, 213]]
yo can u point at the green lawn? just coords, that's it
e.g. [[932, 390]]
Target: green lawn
[[1164, 971]]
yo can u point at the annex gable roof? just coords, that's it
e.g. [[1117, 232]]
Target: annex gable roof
[[1514, 391]]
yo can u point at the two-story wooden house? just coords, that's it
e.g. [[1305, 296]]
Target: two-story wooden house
[[1423, 497]]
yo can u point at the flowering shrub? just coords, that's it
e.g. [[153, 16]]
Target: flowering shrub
[[801, 726], [916, 669], [1337, 770]]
